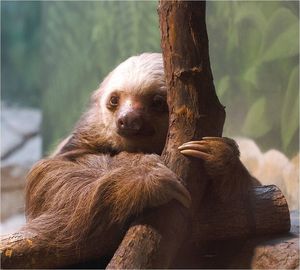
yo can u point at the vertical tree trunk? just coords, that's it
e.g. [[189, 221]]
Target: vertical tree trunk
[[195, 111]]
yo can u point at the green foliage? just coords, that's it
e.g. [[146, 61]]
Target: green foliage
[[82, 42], [290, 109], [254, 47], [252, 127], [254, 51], [20, 58]]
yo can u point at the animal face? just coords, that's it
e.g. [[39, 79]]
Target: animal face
[[133, 106]]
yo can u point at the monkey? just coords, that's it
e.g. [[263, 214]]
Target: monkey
[[109, 169]]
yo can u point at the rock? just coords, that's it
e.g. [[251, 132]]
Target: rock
[[9, 139], [291, 180], [12, 224], [18, 126], [251, 156], [27, 155], [12, 190], [23, 121], [273, 165]]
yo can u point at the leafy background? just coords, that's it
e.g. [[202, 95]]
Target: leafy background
[[55, 53]]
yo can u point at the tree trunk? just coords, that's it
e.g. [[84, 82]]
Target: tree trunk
[[195, 111]]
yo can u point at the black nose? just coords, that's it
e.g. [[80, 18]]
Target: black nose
[[130, 123]]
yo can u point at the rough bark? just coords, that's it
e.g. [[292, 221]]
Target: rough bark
[[266, 212], [269, 252], [20, 250], [143, 241], [150, 243], [265, 251], [195, 111]]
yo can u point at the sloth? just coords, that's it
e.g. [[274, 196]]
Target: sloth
[[109, 169]]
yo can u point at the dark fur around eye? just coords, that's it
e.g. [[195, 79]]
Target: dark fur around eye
[[113, 101]]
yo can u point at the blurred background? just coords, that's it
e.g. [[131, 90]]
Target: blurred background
[[54, 54]]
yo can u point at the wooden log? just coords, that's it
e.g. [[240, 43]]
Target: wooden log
[[195, 112], [281, 252], [269, 252], [18, 250], [264, 251], [23, 250], [149, 243], [265, 212], [218, 222]]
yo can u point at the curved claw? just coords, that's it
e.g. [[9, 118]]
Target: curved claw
[[194, 146], [195, 153], [196, 149], [192, 142]]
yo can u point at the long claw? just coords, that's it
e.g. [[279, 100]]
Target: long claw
[[192, 142], [196, 147], [195, 153]]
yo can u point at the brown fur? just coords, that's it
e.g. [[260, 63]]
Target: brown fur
[[70, 195], [97, 180], [229, 177]]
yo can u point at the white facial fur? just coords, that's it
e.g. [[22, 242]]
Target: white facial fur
[[135, 76]]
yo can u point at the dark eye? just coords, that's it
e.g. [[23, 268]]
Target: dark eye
[[159, 103], [114, 101]]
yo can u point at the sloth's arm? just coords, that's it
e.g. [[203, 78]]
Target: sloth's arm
[[70, 197], [221, 160]]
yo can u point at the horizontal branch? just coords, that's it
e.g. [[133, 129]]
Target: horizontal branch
[[265, 251], [265, 213]]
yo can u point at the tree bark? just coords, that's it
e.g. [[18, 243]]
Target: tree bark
[[265, 213], [195, 111], [150, 242], [21, 250], [281, 252], [264, 251], [217, 222]]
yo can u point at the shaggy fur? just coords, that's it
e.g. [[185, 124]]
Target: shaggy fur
[[98, 180], [71, 195]]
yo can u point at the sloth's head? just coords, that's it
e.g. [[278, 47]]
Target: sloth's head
[[131, 105]]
